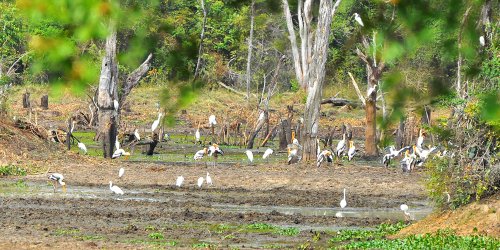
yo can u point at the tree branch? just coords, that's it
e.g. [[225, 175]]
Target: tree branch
[[134, 77], [357, 89]]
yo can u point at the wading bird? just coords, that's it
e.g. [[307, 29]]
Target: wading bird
[[404, 208], [200, 182], [324, 155], [179, 181], [215, 151], [386, 160], [406, 162], [115, 189], [292, 156], [481, 41], [420, 139], [197, 135], [199, 154], [116, 105], [340, 147], [121, 172], [82, 147], [57, 178], [117, 143], [209, 179], [155, 124], [249, 155], [211, 120], [136, 134], [358, 19], [343, 202], [423, 155], [120, 152], [352, 150], [267, 153]]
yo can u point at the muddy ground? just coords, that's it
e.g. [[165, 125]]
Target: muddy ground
[[154, 213]]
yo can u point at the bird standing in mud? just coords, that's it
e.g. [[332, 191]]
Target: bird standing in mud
[[404, 208], [352, 150], [115, 189], [343, 202], [197, 135], [199, 154], [249, 155], [292, 156], [120, 152], [324, 155], [215, 151], [57, 178], [179, 181], [121, 172], [200, 182], [209, 179], [82, 147], [340, 147], [267, 153], [155, 123]]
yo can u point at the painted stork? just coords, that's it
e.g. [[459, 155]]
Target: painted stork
[[56, 178]]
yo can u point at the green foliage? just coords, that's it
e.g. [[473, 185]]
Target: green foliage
[[260, 226], [156, 236], [443, 239], [362, 235], [201, 245], [12, 170], [263, 227]]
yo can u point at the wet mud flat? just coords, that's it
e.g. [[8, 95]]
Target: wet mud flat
[[247, 207]]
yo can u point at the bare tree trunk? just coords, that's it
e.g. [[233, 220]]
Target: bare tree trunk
[[316, 80], [202, 37], [249, 57], [460, 59], [108, 84]]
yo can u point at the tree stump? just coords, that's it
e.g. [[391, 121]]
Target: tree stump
[[285, 132], [26, 100], [44, 102]]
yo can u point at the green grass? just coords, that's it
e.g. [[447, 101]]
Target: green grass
[[156, 236], [441, 240], [267, 228], [201, 245], [9, 170], [346, 236]]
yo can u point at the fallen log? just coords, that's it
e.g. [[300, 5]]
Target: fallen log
[[339, 102]]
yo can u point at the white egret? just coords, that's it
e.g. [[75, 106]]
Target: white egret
[[200, 182], [370, 90], [209, 179], [358, 19], [267, 153], [199, 154], [179, 181], [343, 202], [136, 134], [249, 155], [115, 104], [340, 147], [156, 123], [57, 178], [117, 143], [420, 140], [121, 172], [352, 150], [481, 41], [82, 147], [115, 189], [197, 135], [404, 208], [324, 155], [119, 152], [211, 120]]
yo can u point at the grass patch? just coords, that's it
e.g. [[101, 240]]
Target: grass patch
[[11, 170], [201, 245], [156, 236], [267, 228], [443, 239]]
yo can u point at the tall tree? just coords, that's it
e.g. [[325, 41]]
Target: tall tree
[[249, 57], [310, 63]]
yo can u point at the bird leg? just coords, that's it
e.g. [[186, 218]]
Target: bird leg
[[64, 188], [54, 184]]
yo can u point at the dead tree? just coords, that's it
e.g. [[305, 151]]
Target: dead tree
[[26, 100], [310, 63], [44, 102], [108, 114], [374, 73], [202, 37]]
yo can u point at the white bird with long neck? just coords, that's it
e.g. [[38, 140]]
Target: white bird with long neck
[[136, 135], [82, 147], [57, 178], [179, 181], [343, 202], [197, 135], [352, 150], [155, 124], [115, 189], [420, 140], [200, 182], [120, 152], [358, 19], [121, 172], [199, 154], [267, 153], [340, 147], [249, 155], [324, 155], [211, 120], [209, 179], [117, 143]]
